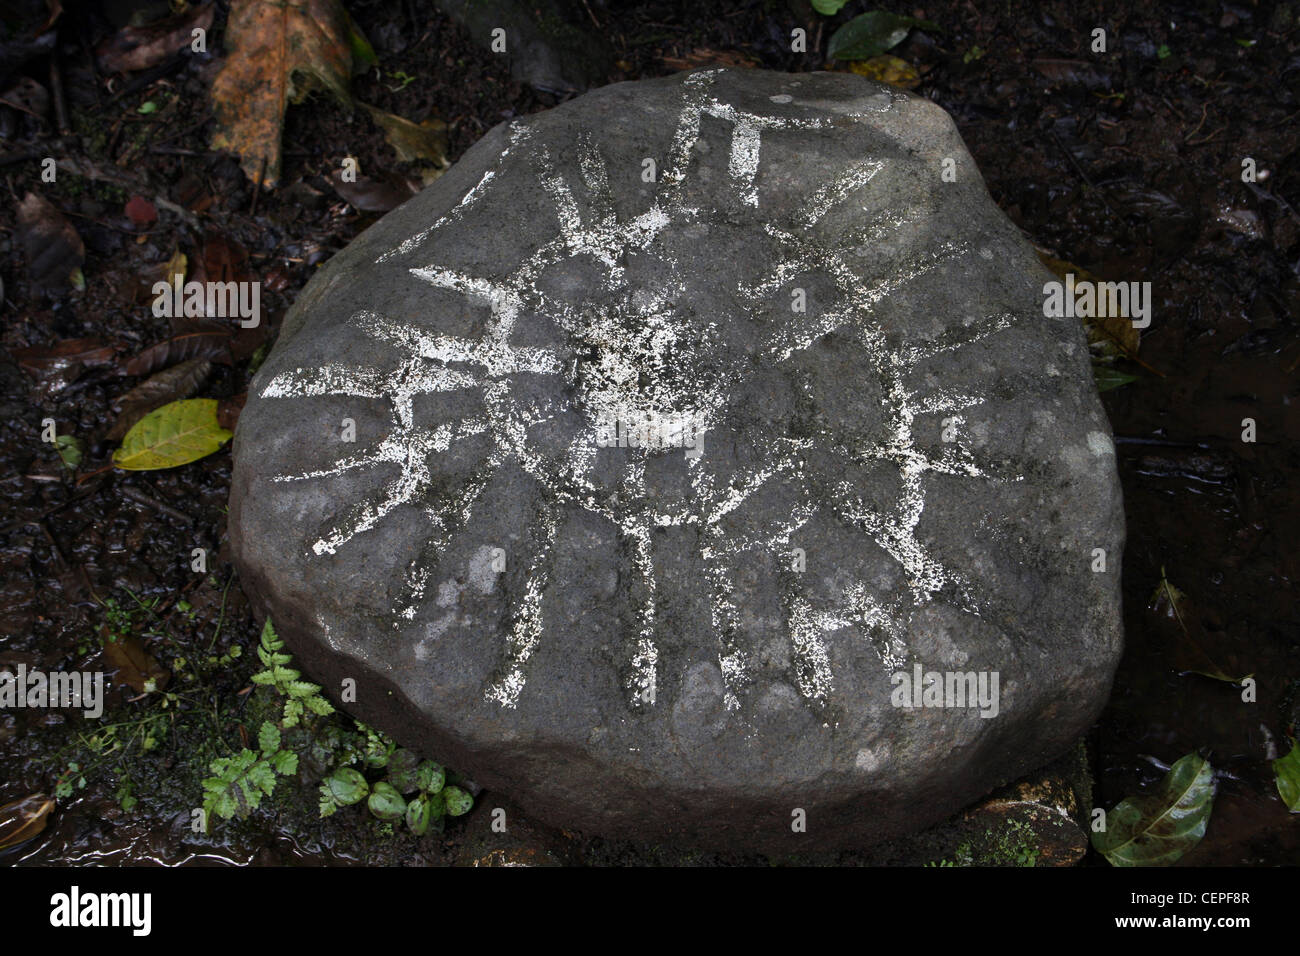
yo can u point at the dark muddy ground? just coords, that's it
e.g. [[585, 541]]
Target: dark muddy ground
[[1128, 165]]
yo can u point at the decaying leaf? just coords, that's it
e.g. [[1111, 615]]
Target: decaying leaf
[[176, 434], [1157, 828], [369, 195], [54, 250], [27, 95], [703, 56], [228, 410], [1108, 336], [890, 69], [23, 819], [1175, 616], [133, 665], [141, 212], [179, 381], [201, 341], [278, 52], [425, 143], [39, 358], [174, 268], [140, 47]]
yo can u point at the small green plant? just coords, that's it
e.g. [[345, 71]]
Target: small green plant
[[299, 695], [413, 790], [238, 783], [403, 81]]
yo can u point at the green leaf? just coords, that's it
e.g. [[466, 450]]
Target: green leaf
[[343, 788], [402, 766], [292, 711], [458, 801], [71, 449], [1287, 770], [828, 7], [268, 738], [302, 688], [873, 33], [1157, 828], [430, 777], [262, 776], [386, 803], [176, 434], [418, 815], [285, 763], [1108, 378], [269, 639], [319, 706]]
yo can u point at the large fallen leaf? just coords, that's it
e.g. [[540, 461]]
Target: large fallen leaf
[[1287, 770], [201, 341], [415, 142], [278, 53], [38, 359], [54, 250], [176, 434], [871, 34], [23, 819], [133, 665], [1157, 828], [179, 381]]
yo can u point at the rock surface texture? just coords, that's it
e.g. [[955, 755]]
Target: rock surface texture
[[865, 455]]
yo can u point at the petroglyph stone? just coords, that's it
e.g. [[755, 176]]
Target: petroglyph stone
[[696, 420]]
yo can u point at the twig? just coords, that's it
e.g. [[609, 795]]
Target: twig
[[56, 88], [1082, 172], [141, 498]]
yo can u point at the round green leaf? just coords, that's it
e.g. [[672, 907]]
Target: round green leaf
[[386, 803], [1287, 770], [418, 815], [402, 766], [176, 434], [347, 786], [458, 801], [1157, 828], [430, 777]]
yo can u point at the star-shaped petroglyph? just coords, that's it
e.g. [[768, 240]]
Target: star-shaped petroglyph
[[624, 373]]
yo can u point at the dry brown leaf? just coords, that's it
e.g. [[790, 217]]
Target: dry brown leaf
[[133, 665], [23, 819], [270, 44], [202, 341], [179, 381], [415, 142], [1110, 334], [40, 358], [54, 250], [138, 48], [703, 56]]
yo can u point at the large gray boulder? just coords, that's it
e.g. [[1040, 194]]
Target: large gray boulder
[[858, 454]]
